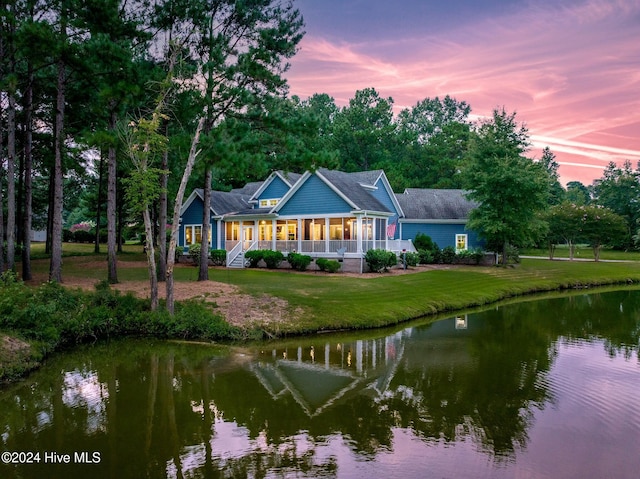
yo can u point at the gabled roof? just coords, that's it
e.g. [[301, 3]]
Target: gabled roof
[[289, 179], [354, 188], [357, 187], [222, 202], [421, 204]]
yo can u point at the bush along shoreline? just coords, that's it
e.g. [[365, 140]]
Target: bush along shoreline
[[51, 318]]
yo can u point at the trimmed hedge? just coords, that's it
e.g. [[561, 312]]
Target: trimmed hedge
[[380, 260], [299, 262], [328, 265]]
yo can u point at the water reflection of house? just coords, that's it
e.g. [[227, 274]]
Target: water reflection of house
[[319, 377]]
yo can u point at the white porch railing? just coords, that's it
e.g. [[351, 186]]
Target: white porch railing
[[234, 252]]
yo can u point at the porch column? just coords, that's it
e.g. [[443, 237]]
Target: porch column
[[219, 229], [374, 232], [299, 236], [273, 234], [386, 236], [326, 235], [359, 234]]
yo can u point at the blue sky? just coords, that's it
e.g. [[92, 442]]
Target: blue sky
[[570, 69]]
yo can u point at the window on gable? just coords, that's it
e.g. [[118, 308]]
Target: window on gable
[[268, 202]]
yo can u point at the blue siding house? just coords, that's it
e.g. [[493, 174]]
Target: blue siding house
[[327, 213]]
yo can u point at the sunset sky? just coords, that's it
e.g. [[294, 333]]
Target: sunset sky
[[569, 68]]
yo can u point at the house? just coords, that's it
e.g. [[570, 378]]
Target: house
[[326, 213]]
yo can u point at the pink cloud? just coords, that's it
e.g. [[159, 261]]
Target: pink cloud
[[571, 73]]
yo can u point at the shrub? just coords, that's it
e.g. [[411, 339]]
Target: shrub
[[218, 257], [67, 236], [412, 258], [299, 262], [448, 255], [426, 256], [194, 252], [380, 260], [272, 258], [423, 242], [254, 256], [328, 265], [82, 236]]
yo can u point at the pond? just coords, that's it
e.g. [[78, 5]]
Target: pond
[[536, 389]]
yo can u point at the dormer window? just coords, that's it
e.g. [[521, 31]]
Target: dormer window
[[268, 202]]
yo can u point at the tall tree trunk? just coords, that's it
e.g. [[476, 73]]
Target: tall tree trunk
[[2, 262], [203, 274], [151, 260], [162, 213], [55, 266], [505, 253], [47, 248], [28, 183], [11, 182], [175, 222], [96, 240], [112, 261]]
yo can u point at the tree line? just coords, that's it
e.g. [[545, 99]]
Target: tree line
[[111, 109]]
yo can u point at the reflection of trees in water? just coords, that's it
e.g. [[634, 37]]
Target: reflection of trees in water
[[167, 408]]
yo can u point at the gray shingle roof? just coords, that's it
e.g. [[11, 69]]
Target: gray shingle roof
[[248, 189], [421, 204], [223, 202], [350, 185]]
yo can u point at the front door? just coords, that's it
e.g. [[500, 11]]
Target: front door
[[247, 236]]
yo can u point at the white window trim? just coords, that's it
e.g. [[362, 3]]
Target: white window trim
[[466, 242], [267, 202], [193, 233]]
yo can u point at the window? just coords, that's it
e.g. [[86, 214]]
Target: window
[[193, 234], [265, 231], [461, 242], [287, 230], [314, 229], [233, 231], [268, 202]]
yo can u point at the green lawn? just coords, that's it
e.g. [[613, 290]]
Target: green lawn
[[583, 251], [335, 302], [340, 302]]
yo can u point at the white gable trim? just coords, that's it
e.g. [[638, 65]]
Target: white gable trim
[[299, 184], [392, 195], [185, 206], [267, 182]]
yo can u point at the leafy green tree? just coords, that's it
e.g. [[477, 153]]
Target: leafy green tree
[[577, 193], [564, 225], [509, 188], [239, 48], [619, 190], [601, 226], [548, 161], [431, 115], [364, 133]]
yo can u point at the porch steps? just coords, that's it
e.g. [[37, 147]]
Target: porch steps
[[238, 261]]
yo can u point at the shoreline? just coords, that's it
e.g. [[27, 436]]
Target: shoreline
[[19, 357]]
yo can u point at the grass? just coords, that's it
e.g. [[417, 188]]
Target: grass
[[339, 302], [331, 302], [583, 251]]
